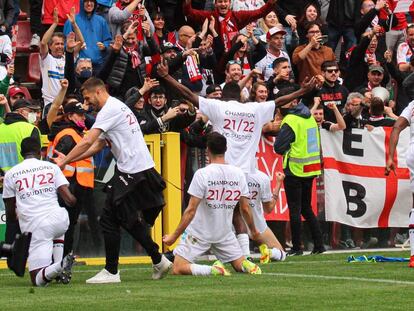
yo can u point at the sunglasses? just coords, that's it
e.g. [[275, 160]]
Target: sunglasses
[[232, 62], [332, 70]]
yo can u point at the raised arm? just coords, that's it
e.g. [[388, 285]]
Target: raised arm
[[340, 122], [162, 70], [57, 102], [76, 30], [44, 43], [307, 86], [268, 206]]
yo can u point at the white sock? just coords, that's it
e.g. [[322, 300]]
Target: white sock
[[47, 274], [243, 239], [200, 269], [277, 254], [411, 231], [58, 249]]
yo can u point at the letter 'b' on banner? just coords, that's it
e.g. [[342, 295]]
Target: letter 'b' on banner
[[357, 192]]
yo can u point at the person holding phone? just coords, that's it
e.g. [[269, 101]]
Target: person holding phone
[[309, 57]]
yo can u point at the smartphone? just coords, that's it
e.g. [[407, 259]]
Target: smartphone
[[323, 39]]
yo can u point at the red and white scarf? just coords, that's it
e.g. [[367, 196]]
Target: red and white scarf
[[134, 55], [228, 29]]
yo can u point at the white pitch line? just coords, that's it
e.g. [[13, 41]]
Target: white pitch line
[[344, 278]]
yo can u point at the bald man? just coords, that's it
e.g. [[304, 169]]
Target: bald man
[[184, 34]]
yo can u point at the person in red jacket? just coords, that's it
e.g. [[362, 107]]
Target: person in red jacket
[[228, 22], [396, 35], [63, 7]]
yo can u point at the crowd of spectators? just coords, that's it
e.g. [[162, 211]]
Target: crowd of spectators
[[351, 46]]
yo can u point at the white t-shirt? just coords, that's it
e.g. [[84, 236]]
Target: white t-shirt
[[34, 183], [265, 65], [260, 191], [220, 187], [53, 70], [408, 114], [123, 133], [403, 53], [241, 124], [246, 5]]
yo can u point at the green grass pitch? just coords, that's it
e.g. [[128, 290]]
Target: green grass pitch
[[316, 282]]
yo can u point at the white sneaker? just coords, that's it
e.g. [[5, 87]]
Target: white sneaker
[[35, 42], [161, 269], [104, 277]]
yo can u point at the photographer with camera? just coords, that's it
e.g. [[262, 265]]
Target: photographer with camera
[[309, 57], [159, 117]]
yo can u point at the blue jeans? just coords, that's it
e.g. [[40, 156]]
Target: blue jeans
[[335, 34]]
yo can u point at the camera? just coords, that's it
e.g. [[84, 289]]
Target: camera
[[323, 39]]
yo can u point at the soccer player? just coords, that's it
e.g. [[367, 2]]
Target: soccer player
[[207, 222], [262, 199], [240, 123], [30, 194], [135, 192], [404, 120]]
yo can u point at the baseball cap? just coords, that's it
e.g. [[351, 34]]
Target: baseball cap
[[74, 107], [376, 68], [14, 90], [274, 30], [168, 46], [213, 88], [23, 103]]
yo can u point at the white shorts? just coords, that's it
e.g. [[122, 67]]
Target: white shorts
[[49, 228], [190, 248]]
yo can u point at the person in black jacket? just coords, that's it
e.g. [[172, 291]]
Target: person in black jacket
[[362, 57], [158, 117], [370, 19], [332, 91], [129, 67]]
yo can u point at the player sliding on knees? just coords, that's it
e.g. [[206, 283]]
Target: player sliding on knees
[[241, 123], [207, 222], [30, 194], [262, 199]]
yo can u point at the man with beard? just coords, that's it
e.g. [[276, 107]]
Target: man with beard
[[135, 195]]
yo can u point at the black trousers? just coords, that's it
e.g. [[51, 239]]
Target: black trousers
[[36, 16], [299, 195], [139, 230], [133, 202]]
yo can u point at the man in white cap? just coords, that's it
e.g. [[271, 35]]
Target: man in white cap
[[275, 38]]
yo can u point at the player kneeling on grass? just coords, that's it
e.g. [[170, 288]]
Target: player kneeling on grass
[[30, 194], [207, 222], [262, 198]]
